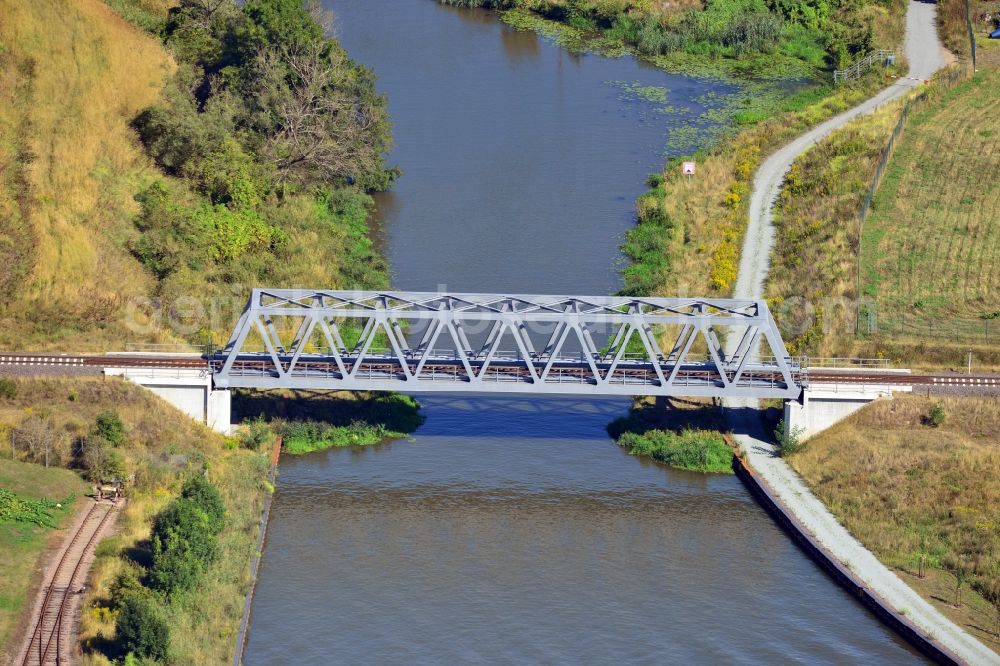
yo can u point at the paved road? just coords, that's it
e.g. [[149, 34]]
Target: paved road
[[925, 55]]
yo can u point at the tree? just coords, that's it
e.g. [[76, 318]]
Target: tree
[[319, 114], [38, 437], [140, 628], [109, 426], [100, 460], [206, 497], [125, 585], [184, 544], [292, 23], [177, 563], [959, 568]]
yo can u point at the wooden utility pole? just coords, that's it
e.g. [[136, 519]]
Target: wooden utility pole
[[972, 35]]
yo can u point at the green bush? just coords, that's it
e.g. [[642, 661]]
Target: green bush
[[8, 389], [100, 460], [789, 439], [308, 436], [126, 584], [177, 564], [206, 497], [184, 544], [693, 450], [141, 629], [256, 434], [936, 416], [109, 426]]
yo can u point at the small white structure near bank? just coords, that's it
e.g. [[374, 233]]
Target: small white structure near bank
[[188, 389]]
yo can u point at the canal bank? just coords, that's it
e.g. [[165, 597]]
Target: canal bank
[[515, 526], [772, 503], [781, 490], [847, 561], [265, 517]]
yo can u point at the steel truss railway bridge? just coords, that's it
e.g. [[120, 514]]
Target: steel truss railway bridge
[[418, 342], [503, 343]]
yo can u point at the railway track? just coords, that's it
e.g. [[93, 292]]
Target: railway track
[[70, 361], [51, 640], [510, 371]]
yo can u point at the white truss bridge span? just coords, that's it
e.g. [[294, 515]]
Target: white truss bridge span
[[596, 345]]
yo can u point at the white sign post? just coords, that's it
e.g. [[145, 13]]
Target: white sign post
[[687, 168]]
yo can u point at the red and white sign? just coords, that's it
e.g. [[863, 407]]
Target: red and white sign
[[687, 168]]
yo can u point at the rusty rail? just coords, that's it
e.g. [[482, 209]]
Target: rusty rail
[[55, 635]]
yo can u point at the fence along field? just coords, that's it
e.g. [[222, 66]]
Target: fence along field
[[931, 244]]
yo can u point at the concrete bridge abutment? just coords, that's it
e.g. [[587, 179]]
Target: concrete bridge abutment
[[823, 405], [188, 389]]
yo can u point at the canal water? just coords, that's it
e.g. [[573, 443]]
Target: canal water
[[512, 529]]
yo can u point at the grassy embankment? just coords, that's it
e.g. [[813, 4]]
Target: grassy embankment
[[23, 542], [72, 76], [928, 247], [161, 447], [923, 498], [309, 422], [134, 175]]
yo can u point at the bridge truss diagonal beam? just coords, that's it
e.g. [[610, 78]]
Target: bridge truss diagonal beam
[[426, 341]]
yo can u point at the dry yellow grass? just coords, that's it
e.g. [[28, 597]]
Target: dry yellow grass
[[911, 492], [87, 73], [709, 213]]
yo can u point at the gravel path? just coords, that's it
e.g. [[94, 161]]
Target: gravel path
[[926, 56]]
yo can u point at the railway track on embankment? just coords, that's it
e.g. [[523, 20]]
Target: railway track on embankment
[[52, 638], [28, 364]]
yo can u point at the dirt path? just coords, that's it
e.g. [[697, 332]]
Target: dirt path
[[52, 630]]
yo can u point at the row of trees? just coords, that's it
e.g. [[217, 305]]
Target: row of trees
[[184, 543], [842, 28]]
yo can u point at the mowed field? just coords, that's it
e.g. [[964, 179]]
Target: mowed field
[[931, 247]]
